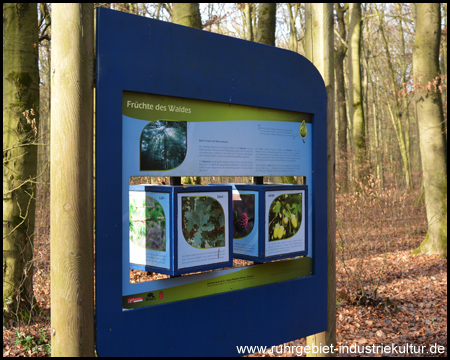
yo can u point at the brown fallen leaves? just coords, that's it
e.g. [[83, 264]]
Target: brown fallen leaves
[[418, 285]]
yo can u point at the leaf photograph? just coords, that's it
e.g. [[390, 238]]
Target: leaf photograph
[[285, 216], [163, 145], [147, 223], [203, 222]]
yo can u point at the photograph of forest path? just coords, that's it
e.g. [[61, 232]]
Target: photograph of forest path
[[384, 67]]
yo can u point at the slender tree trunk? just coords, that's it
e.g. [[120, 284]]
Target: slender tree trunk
[[248, 21], [320, 44], [71, 181], [444, 68], [430, 119], [340, 101], [43, 156], [355, 91], [395, 112], [293, 45], [405, 111], [20, 124], [377, 148]]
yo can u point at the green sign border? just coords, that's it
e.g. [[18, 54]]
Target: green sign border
[[244, 278], [157, 107]]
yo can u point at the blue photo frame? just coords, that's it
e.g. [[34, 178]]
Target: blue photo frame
[[263, 254], [149, 56], [174, 237]]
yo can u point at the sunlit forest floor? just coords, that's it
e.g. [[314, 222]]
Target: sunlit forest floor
[[375, 236]]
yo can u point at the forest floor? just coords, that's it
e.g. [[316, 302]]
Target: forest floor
[[408, 317]]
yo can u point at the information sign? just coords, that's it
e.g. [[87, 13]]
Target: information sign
[[178, 101], [186, 137]]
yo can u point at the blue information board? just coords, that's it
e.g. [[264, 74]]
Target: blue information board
[[244, 109]]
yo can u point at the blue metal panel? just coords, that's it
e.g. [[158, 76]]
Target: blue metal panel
[[149, 56]]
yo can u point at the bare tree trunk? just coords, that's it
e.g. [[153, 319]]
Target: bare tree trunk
[[320, 44], [248, 21], [71, 181], [187, 14], [43, 156], [293, 45], [444, 68], [405, 101], [395, 113], [265, 32], [355, 91], [430, 119], [340, 101], [378, 149], [20, 124]]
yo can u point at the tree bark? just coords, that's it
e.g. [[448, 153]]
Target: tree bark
[[430, 118], [405, 101], [320, 44], [20, 124], [248, 21], [71, 181], [43, 155], [355, 91], [187, 14], [340, 101], [444, 67], [265, 32], [395, 113], [293, 45]]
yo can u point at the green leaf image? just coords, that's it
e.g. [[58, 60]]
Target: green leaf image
[[203, 222], [277, 207], [147, 223], [285, 215], [303, 130]]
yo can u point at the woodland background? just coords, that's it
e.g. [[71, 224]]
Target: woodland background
[[384, 293]]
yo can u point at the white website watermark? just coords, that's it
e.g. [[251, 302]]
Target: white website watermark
[[392, 349]]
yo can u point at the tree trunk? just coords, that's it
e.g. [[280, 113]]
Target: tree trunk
[[395, 113], [377, 141], [356, 104], [43, 155], [293, 45], [320, 44], [20, 124], [248, 21], [405, 101], [340, 101], [71, 181], [430, 119], [444, 68], [265, 32], [187, 14]]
